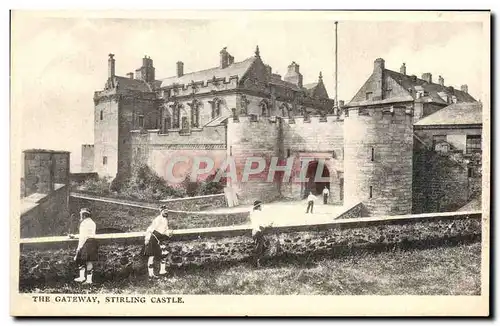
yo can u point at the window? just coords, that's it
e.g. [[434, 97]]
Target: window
[[230, 150], [436, 139], [470, 172], [473, 144], [387, 93], [101, 116], [373, 154], [140, 121], [104, 160], [288, 152], [216, 108], [176, 120], [369, 95], [185, 124], [195, 116], [371, 192]]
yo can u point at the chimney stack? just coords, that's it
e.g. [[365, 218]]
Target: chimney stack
[[402, 70], [465, 89], [293, 75], [130, 75], [180, 69], [224, 58], [441, 80], [111, 66], [379, 65], [427, 77]]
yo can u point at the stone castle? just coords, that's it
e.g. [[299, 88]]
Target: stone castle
[[241, 109]]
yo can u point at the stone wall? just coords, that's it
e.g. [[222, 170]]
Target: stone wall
[[43, 169], [113, 215], [43, 260], [259, 139], [87, 159], [355, 211], [49, 215], [378, 151]]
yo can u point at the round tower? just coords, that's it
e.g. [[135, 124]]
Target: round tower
[[378, 153]]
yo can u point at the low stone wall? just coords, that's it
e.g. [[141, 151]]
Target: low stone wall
[[43, 260], [49, 216], [198, 203], [119, 216], [356, 210], [83, 176]]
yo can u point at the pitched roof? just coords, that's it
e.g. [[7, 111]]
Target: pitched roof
[[454, 114], [310, 88], [133, 84], [235, 69], [432, 89]]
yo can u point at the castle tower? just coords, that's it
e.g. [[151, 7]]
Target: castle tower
[[378, 147]]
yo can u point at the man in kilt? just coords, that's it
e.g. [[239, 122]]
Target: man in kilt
[[87, 251], [259, 224], [156, 232]]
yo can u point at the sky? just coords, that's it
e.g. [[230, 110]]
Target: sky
[[58, 63]]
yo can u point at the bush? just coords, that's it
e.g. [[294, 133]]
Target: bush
[[100, 186], [145, 184], [212, 187]]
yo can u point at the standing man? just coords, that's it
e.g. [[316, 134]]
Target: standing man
[[258, 226], [87, 251], [310, 202], [326, 193], [156, 232]]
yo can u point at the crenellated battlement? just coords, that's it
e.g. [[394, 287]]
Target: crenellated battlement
[[313, 119], [203, 87], [380, 113]]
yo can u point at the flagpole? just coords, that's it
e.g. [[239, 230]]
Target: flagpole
[[336, 67]]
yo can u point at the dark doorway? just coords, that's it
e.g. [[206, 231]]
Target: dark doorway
[[316, 186]]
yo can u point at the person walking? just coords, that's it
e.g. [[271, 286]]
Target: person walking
[[87, 250], [259, 224], [326, 193], [310, 202], [156, 232]]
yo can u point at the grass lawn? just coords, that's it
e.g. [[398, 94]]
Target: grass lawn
[[437, 271]]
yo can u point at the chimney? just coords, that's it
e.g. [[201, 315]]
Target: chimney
[[111, 66], [180, 69], [402, 70], [427, 77], [464, 88], [130, 75], [224, 58], [293, 74], [441, 80], [379, 65], [230, 60]]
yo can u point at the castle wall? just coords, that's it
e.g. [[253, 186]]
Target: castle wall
[[160, 150], [106, 136], [378, 150], [316, 138], [43, 169], [131, 108], [444, 181], [87, 159], [260, 139]]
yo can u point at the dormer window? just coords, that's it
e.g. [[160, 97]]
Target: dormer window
[[369, 96]]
